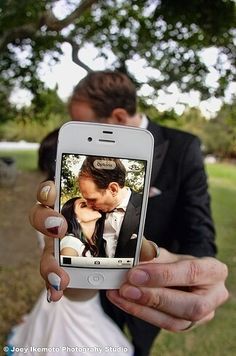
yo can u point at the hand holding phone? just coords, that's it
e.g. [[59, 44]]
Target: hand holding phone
[[102, 181]]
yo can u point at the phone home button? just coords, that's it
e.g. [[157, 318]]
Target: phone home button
[[95, 279]]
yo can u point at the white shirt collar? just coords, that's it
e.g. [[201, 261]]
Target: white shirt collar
[[123, 204], [144, 122]]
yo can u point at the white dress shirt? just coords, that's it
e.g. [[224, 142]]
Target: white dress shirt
[[144, 122], [113, 224]]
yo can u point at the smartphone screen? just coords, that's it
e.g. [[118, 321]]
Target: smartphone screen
[[101, 198]]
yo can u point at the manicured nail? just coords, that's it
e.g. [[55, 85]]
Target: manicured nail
[[53, 224], [49, 296], [138, 277], [54, 280], [44, 192], [131, 293]]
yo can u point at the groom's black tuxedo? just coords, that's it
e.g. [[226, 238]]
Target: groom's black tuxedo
[[126, 244], [178, 215], [179, 218]]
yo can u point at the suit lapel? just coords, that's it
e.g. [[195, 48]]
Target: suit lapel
[[158, 158], [160, 150], [128, 227]]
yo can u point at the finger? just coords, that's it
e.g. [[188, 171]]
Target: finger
[[155, 317], [189, 272], [48, 221], [148, 250], [46, 193], [55, 277], [194, 324], [177, 303]]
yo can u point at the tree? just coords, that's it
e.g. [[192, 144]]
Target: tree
[[218, 135], [31, 123], [135, 173], [220, 132], [168, 35], [7, 110], [69, 186]]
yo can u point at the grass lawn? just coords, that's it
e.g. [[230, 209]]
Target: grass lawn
[[26, 160], [216, 338]]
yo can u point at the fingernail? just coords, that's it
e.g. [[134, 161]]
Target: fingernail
[[49, 296], [44, 192], [53, 224], [131, 293], [54, 280], [138, 277]]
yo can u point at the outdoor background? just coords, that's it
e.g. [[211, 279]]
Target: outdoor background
[[181, 55]]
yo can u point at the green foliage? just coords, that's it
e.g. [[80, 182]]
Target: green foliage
[[135, 175], [46, 103], [7, 111], [217, 139], [212, 22], [69, 186], [218, 135], [220, 132], [46, 113], [167, 35], [29, 129], [18, 32], [193, 121]]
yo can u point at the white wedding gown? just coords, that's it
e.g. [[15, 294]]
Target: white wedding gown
[[66, 328]]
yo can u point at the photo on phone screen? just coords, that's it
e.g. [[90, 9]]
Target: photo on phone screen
[[101, 199]]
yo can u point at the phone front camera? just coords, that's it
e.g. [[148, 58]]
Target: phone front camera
[[90, 139]]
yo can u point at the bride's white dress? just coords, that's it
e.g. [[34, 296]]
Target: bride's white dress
[[66, 328]]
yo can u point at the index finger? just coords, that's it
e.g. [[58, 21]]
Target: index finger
[[198, 271], [148, 251]]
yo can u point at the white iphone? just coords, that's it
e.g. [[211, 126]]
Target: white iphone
[[102, 181]]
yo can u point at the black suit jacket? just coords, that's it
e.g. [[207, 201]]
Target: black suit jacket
[[178, 218], [125, 246]]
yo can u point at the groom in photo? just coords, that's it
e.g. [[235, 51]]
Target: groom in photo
[[102, 183]]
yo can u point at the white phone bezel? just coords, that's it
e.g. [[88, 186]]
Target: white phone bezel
[[99, 139]]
